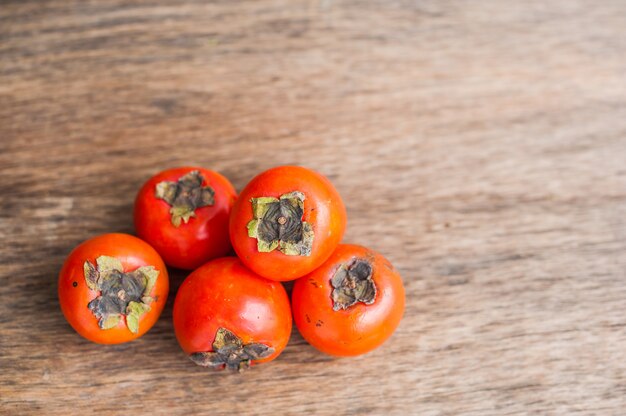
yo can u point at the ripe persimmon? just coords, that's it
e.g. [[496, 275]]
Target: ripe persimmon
[[286, 222], [351, 304], [183, 213], [228, 316], [112, 288]]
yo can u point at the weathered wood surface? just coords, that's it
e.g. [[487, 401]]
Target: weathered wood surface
[[479, 145]]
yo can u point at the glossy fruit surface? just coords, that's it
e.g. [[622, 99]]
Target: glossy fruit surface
[[112, 288], [183, 213], [351, 304], [226, 315], [287, 221]]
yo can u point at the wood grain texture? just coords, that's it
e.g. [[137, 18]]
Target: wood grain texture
[[479, 145]]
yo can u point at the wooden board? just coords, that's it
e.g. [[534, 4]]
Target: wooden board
[[479, 145]]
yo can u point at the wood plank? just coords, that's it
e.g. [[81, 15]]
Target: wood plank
[[479, 145]]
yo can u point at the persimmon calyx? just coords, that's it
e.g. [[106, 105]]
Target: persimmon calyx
[[230, 352], [123, 295], [185, 196], [277, 224], [352, 283]]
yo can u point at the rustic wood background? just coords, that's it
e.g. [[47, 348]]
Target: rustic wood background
[[479, 145]]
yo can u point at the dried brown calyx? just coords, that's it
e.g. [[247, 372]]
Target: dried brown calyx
[[277, 224], [122, 294], [352, 283], [230, 352], [185, 196]]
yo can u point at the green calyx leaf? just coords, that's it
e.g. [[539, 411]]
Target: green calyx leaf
[[290, 249], [107, 264], [261, 205], [134, 312], [91, 275], [110, 321], [252, 228], [181, 213], [96, 274], [265, 246], [295, 197], [166, 191], [150, 274]]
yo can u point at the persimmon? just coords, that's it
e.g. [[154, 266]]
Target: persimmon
[[286, 222], [183, 213], [112, 288], [351, 304], [226, 316]]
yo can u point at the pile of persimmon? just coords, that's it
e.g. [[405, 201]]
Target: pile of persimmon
[[232, 311]]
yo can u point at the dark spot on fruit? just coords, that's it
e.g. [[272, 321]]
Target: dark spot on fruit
[[308, 320], [312, 281], [74, 284], [319, 323]]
